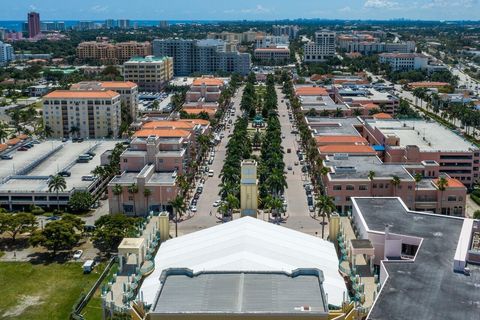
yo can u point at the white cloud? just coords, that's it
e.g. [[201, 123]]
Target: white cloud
[[98, 8], [345, 9], [257, 10], [446, 3], [384, 4]]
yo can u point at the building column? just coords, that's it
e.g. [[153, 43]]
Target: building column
[[120, 262]]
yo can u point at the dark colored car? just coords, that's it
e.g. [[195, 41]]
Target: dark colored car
[[196, 196], [22, 149], [65, 173]]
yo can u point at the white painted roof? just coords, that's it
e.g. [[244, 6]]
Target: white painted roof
[[248, 244]]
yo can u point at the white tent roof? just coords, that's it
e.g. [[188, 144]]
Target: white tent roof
[[248, 244]]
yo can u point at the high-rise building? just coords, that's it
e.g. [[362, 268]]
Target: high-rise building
[[322, 49], [201, 56], [123, 24], [111, 23], [149, 73], [286, 30], [33, 24], [52, 26], [6, 53], [163, 24], [2, 34], [85, 114]]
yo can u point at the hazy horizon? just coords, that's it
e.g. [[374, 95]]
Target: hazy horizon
[[266, 10]]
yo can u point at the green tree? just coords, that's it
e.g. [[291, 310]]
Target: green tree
[[55, 236], [133, 190], [111, 229], [80, 201], [325, 206], [18, 223], [417, 177], [476, 214], [179, 208], [57, 184], [395, 182], [442, 184], [147, 193], [117, 190]]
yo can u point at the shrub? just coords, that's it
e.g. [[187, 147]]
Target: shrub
[[37, 210], [475, 199]]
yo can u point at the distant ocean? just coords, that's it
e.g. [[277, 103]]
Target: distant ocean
[[17, 25]]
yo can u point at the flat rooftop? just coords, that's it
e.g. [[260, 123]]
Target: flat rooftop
[[427, 135], [320, 103], [358, 167], [127, 178], [333, 126], [264, 293], [427, 288], [63, 159]]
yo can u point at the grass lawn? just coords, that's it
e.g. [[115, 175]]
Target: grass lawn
[[93, 310], [38, 291]]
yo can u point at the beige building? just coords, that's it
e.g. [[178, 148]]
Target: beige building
[[128, 92], [249, 189], [150, 73], [113, 53], [83, 114]]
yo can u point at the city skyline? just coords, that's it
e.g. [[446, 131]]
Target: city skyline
[[250, 10]]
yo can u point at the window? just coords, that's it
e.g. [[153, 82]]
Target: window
[[347, 198], [452, 198], [130, 198], [362, 187], [350, 187], [125, 160], [337, 187], [374, 186]]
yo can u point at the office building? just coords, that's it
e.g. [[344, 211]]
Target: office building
[[86, 25], [201, 56], [414, 141], [83, 114], [271, 41], [2, 34], [321, 49], [411, 61], [149, 73], [236, 38], [111, 24], [6, 53], [367, 44], [112, 53], [128, 92], [33, 24], [163, 24], [290, 31], [276, 55], [428, 264]]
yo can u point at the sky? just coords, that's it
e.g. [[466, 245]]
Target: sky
[[242, 9]]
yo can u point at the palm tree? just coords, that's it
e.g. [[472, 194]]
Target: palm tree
[[417, 177], [117, 190], [147, 193], [442, 184], [395, 182], [3, 131], [133, 190], [57, 183], [275, 204], [371, 176], [179, 207], [325, 206], [183, 184], [74, 131], [231, 202], [357, 112]]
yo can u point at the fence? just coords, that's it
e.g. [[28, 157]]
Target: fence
[[86, 298]]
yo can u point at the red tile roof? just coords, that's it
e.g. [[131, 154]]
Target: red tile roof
[[311, 91], [428, 84], [382, 115], [207, 82], [13, 141], [144, 133], [3, 147], [73, 94], [452, 183]]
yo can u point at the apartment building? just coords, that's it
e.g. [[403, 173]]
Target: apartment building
[[414, 141], [149, 73], [291, 31], [206, 56], [271, 41], [83, 114], [6, 53], [367, 44], [411, 61], [234, 37], [33, 24], [128, 92], [205, 89], [277, 55], [321, 49], [112, 53]]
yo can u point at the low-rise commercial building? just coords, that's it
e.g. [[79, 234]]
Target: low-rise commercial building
[[149, 73], [428, 264], [275, 55], [368, 44], [414, 141], [82, 114], [411, 61]]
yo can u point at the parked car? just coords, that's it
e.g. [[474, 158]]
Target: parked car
[[289, 167], [217, 203], [194, 202], [77, 254], [53, 218], [65, 173], [311, 208], [295, 163], [22, 149], [88, 266], [6, 157], [210, 173], [193, 208], [196, 195], [88, 178]]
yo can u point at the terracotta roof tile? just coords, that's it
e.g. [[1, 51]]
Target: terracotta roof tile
[[382, 115], [207, 82], [3, 147], [161, 133], [311, 91], [13, 141], [168, 124], [452, 183], [73, 94]]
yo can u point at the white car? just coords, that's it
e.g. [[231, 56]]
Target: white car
[[210, 173], [77, 254], [193, 208], [217, 203]]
